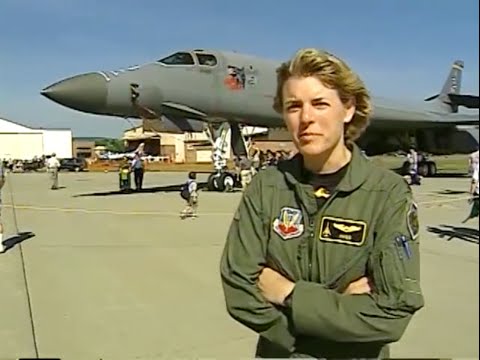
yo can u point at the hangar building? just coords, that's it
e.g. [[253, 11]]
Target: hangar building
[[19, 142], [187, 147]]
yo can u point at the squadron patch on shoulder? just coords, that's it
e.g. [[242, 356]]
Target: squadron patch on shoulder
[[344, 231], [288, 224], [412, 221]]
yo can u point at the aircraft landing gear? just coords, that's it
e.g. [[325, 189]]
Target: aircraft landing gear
[[221, 181], [427, 168]]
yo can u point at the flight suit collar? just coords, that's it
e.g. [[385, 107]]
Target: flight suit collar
[[355, 176]]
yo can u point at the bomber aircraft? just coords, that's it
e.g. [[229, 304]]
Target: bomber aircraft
[[227, 90]]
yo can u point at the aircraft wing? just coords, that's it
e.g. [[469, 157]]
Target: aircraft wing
[[462, 119], [182, 110], [469, 101], [174, 125], [387, 113]]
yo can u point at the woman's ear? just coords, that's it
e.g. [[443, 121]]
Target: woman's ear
[[349, 111]]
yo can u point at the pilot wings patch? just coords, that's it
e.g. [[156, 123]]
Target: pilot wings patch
[[345, 231], [347, 228], [288, 224]]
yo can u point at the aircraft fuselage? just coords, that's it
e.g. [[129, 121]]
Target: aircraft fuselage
[[220, 86], [212, 86]]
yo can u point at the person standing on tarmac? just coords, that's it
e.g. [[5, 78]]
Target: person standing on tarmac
[[2, 182], [138, 170], [189, 193], [124, 175], [473, 161], [322, 255], [245, 171], [52, 167], [474, 192], [413, 159]]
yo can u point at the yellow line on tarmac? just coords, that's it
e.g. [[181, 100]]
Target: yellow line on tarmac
[[168, 213], [442, 201], [104, 211]]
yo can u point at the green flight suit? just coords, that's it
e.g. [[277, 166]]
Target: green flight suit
[[367, 227]]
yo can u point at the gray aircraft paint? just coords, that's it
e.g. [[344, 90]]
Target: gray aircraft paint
[[198, 92]]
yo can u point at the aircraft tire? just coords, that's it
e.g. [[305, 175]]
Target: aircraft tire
[[225, 182], [432, 168], [423, 169], [405, 168], [212, 183]]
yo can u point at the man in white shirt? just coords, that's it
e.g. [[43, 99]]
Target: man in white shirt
[[52, 166], [412, 157], [472, 162], [474, 191], [2, 182]]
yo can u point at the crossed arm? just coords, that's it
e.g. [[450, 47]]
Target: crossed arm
[[363, 313]]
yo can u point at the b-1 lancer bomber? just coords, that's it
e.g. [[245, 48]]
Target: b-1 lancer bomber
[[226, 89]]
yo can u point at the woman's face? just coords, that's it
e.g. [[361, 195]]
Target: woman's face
[[314, 115]]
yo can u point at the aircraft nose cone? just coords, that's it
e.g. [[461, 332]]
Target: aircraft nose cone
[[86, 92]]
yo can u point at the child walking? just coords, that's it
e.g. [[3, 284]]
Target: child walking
[[189, 193]]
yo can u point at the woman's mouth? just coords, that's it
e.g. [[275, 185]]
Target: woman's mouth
[[308, 135]]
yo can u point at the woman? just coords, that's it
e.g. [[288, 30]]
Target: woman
[[322, 256]]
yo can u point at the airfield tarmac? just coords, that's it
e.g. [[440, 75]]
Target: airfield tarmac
[[110, 276]]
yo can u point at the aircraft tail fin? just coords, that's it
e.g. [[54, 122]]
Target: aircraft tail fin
[[444, 101]]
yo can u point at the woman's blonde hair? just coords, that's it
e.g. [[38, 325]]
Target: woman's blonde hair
[[335, 74]]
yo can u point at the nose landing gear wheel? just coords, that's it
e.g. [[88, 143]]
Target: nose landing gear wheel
[[223, 182]]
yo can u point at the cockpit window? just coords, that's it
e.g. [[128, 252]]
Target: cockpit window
[[179, 58], [206, 59]]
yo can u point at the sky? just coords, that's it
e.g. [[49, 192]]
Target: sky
[[401, 48]]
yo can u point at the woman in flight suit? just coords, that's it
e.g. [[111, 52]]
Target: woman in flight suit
[[322, 256]]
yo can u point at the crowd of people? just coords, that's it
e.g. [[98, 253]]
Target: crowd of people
[[37, 163], [245, 167]]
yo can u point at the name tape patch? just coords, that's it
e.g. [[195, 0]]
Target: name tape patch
[[344, 231]]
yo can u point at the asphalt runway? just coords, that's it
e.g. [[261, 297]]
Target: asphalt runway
[[109, 276]]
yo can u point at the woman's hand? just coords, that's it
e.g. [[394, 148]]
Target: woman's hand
[[274, 286], [358, 287]]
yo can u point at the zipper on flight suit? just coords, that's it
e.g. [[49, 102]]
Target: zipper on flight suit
[[311, 239], [314, 230]]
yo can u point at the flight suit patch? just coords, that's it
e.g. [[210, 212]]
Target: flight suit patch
[[412, 221], [289, 223], [344, 231]]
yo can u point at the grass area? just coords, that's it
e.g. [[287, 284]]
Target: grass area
[[445, 164]]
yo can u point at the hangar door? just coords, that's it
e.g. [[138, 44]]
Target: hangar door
[[21, 146]]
